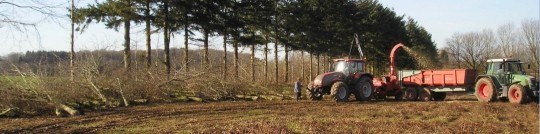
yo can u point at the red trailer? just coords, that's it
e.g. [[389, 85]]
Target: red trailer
[[423, 85], [439, 80]]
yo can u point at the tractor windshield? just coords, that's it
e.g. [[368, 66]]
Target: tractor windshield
[[514, 67], [349, 67], [340, 66]]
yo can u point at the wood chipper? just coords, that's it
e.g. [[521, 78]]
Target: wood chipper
[[422, 85], [504, 79]]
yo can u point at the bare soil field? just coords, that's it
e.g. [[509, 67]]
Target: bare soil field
[[451, 116]]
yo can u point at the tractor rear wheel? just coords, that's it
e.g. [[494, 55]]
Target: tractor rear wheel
[[339, 92], [485, 90], [424, 95], [517, 94], [363, 91], [535, 99], [411, 94], [438, 96], [531, 95]]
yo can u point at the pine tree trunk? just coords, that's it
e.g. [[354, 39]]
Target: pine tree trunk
[[330, 61], [286, 63], [318, 64], [276, 62], [224, 56], [72, 52], [167, 39], [324, 63], [205, 57], [235, 56], [303, 65], [148, 34], [127, 54], [253, 63], [266, 60], [292, 67], [275, 24], [186, 40], [310, 66]]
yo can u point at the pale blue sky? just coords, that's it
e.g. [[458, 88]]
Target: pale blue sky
[[441, 18]]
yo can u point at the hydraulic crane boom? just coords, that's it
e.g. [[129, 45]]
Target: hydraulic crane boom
[[355, 41]]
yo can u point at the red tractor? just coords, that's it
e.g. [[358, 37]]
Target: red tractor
[[348, 77]]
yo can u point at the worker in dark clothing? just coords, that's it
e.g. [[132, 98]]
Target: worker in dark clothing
[[297, 89]]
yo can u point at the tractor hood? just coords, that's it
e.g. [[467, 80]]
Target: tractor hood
[[525, 80], [327, 79]]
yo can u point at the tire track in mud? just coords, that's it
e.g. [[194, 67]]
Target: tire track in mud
[[122, 117], [268, 116], [151, 115]]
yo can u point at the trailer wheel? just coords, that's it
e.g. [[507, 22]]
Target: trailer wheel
[[398, 96], [424, 95], [411, 94], [339, 92], [485, 91], [364, 89], [439, 96], [517, 94]]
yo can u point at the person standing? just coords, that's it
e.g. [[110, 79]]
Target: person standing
[[297, 89]]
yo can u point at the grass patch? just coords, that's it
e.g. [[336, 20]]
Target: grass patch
[[136, 129]]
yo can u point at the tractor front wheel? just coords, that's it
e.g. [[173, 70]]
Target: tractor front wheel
[[485, 90], [314, 94], [339, 92], [517, 94]]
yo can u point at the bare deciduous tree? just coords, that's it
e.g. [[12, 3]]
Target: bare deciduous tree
[[507, 40], [530, 37], [11, 17], [472, 48]]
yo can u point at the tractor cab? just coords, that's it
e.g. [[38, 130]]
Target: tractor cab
[[505, 66], [507, 71], [349, 66]]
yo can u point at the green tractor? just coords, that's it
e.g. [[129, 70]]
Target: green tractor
[[506, 79]]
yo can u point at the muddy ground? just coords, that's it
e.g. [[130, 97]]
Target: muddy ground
[[451, 116]]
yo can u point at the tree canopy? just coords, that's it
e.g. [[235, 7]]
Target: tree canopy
[[314, 26]]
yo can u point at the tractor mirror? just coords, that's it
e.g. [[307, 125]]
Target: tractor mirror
[[501, 66], [528, 66]]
